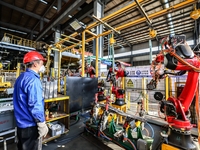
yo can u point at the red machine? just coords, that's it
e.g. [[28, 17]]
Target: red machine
[[177, 56], [90, 71], [119, 93], [120, 72]]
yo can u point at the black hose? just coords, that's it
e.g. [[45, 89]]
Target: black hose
[[77, 120]]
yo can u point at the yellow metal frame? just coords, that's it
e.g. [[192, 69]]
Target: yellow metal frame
[[168, 147], [94, 36], [57, 118], [167, 87], [59, 98], [13, 39], [122, 108], [151, 16], [65, 85], [18, 70]]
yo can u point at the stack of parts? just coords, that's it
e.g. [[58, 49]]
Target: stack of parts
[[50, 89]]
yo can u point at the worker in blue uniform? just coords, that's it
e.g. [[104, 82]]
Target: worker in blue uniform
[[29, 104]]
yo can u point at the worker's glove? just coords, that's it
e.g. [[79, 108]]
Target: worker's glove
[[42, 129]]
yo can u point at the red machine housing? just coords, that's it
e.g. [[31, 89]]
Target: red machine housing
[[180, 58]]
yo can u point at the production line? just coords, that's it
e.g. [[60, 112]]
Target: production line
[[102, 74]]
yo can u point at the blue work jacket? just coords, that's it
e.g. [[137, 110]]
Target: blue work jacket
[[27, 100]]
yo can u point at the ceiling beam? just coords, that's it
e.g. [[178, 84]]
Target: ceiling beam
[[123, 40], [138, 21], [165, 27], [21, 17], [133, 11], [157, 25], [86, 11], [7, 25], [60, 16], [45, 12], [115, 6], [23, 11]]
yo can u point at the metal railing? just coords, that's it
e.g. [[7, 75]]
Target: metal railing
[[13, 39]]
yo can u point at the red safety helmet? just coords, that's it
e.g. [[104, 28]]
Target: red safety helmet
[[31, 56]]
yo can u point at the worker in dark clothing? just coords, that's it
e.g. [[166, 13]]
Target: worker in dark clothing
[[29, 104]]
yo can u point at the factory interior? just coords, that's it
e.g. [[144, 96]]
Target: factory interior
[[119, 74]]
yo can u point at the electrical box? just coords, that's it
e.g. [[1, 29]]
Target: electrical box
[[7, 120]]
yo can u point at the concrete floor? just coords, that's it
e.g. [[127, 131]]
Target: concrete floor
[[76, 139]]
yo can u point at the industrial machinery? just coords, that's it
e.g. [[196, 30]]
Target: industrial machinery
[[103, 123], [101, 89], [177, 56], [3, 85], [90, 71], [117, 91]]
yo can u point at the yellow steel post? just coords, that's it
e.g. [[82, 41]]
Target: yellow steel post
[[83, 54], [122, 83], [170, 88], [144, 93], [59, 65], [41, 75], [52, 72], [65, 85], [97, 58], [18, 70], [166, 88]]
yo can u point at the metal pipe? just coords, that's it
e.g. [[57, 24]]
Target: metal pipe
[[97, 58], [6, 99], [83, 54], [67, 41], [59, 65], [93, 34], [104, 23], [154, 15], [71, 38], [124, 9], [143, 12]]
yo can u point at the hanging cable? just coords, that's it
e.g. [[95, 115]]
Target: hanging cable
[[132, 144]]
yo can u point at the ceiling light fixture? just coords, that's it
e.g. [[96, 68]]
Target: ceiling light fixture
[[55, 7], [76, 25], [43, 1]]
